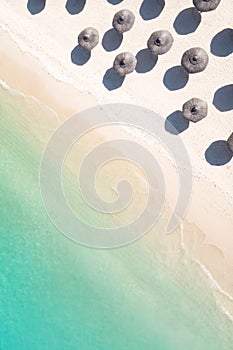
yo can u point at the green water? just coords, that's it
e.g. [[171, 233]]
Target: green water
[[57, 295]]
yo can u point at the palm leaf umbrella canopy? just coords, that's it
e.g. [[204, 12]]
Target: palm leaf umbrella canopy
[[160, 42], [195, 109], [195, 60], [124, 63], [88, 38], [206, 5], [123, 21], [230, 142]]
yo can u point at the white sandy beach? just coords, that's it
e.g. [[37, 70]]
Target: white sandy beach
[[36, 61]]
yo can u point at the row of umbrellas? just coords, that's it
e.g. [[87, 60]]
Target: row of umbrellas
[[160, 42], [194, 60]]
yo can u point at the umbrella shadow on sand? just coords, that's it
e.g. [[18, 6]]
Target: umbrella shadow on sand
[[151, 9], [112, 80], [74, 7], [218, 153], [222, 43], [112, 40], [176, 123], [145, 61], [36, 6], [187, 21], [223, 98], [80, 56], [114, 2], [175, 78]]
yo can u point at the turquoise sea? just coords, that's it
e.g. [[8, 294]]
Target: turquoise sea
[[58, 295]]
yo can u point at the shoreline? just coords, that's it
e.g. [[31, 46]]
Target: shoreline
[[70, 100], [34, 81]]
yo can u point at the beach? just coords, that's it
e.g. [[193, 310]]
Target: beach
[[39, 61]]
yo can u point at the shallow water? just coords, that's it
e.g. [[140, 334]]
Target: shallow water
[[55, 294]]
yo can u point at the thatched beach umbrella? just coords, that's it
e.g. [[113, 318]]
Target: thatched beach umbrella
[[230, 142], [124, 63], [195, 110], [123, 21], [195, 60], [88, 38], [206, 5], [160, 42]]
